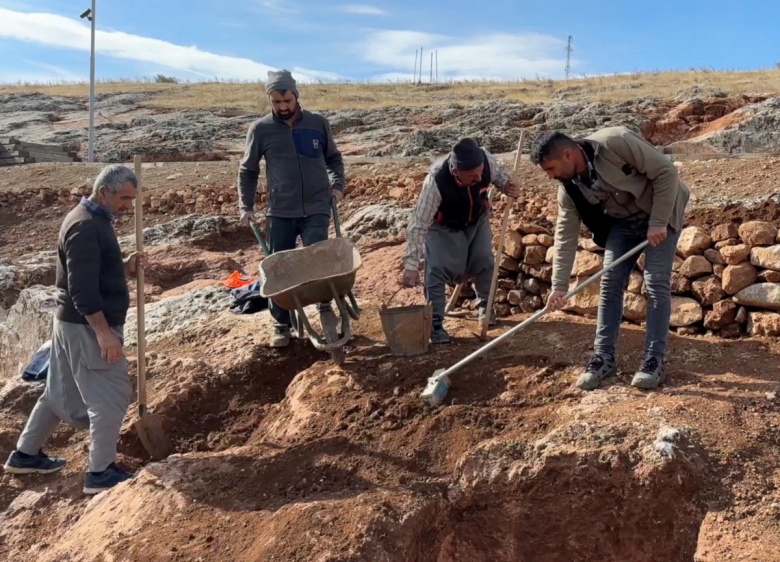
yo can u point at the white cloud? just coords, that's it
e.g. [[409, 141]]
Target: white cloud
[[276, 7], [497, 56], [360, 10], [60, 31]]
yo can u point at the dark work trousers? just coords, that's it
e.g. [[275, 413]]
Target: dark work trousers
[[283, 234]]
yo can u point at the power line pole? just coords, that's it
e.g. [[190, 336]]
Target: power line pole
[[415, 66], [568, 57], [437, 66], [430, 80], [421, 54]]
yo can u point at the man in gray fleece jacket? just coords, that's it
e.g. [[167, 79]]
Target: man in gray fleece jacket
[[625, 191], [304, 171]]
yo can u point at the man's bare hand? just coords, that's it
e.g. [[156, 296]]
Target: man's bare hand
[[132, 262], [512, 190], [555, 300], [247, 217], [410, 278], [110, 346], [656, 235]]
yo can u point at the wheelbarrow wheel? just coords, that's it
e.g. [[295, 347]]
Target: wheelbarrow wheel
[[331, 332]]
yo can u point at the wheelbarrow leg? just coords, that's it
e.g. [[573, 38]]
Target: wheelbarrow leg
[[330, 342]]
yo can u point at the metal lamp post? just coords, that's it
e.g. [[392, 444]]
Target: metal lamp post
[[90, 15]]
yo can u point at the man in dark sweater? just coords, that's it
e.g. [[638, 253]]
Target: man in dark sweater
[[452, 220], [304, 171], [88, 384]]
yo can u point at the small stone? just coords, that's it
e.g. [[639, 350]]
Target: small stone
[[680, 284], [513, 245], [723, 313], [724, 232], [758, 233], [514, 298], [546, 240], [737, 277], [535, 255], [550, 256], [587, 263], [717, 271], [708, 290], [635, 282], [634, 307], [685, 311], [693, 241], [530, 240], [688, 331], [714, 257], [769, 276], [742, 315], [589, 245], [508, 263], [763, 324], [532, 285], [731, 331], [695, 266], [541, 272], [734, 255], [730, 242], [767, 258]]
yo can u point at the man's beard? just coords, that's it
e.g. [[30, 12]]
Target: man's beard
[[285, 115]]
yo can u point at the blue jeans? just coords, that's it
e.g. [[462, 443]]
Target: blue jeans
[[283, 235], [624, 235]]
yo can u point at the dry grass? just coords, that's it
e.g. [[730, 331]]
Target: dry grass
[[249, 97]]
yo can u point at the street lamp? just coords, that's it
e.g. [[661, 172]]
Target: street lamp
[[90, 15]]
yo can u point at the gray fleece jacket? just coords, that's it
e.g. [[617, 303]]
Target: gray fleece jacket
[[303, 165]]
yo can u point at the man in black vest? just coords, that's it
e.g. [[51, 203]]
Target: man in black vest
[[452, 217]]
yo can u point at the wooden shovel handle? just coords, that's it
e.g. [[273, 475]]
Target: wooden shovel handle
[[504, 223], [139, 278]]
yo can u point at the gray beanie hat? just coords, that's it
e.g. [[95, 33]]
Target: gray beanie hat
[[467, 155], [280, 80]]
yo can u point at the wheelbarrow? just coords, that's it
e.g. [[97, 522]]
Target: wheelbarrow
[[294, 279]]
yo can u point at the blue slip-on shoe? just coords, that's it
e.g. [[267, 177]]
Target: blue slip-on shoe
[[41, 463], [97, 482]]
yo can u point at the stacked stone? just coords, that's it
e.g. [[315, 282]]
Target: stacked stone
[[725, 282]]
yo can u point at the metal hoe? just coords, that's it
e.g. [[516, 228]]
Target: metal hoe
[[439, 383]]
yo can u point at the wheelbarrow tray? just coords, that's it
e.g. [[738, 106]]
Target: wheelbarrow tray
[[309, 272]]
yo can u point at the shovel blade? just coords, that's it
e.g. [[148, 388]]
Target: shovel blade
[[155, 441]]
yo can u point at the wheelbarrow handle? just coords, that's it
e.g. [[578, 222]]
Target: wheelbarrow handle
[[543, 311], [336, 220], [260, 238]]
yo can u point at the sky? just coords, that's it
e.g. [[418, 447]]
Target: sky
[[194, 40]]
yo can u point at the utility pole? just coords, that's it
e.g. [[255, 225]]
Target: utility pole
[[568, 57], [90, 15], [421, 53], [430, 81], [415, 66], [437, 66]]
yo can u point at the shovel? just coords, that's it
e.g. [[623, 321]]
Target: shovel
[[149, 426], [504, 223], [439, 383]]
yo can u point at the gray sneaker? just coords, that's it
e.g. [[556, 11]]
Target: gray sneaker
[[650, 374], [281, 337], [597, 370]]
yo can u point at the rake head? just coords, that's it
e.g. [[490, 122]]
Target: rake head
[[436, 389]]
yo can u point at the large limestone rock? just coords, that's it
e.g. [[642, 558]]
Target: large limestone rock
[[635, 282], [513, 245], [763, 324], [736, 254], [586, 301], [724, 232], [634, 307], [760, 295], [685, 312], [535, 254], [758, 233], [722, 314], [587, 263], [767, 258], [708, 290], [693, 241], [737, 277], [696, 266], [27, 326]]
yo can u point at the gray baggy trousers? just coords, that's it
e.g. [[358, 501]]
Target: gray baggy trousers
[[453, 256], [83, 390]]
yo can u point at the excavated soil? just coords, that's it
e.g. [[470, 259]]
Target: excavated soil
[[279, 455]]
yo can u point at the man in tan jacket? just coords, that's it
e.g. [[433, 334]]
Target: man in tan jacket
[[625, 191]]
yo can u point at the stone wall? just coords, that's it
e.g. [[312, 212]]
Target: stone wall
[[725, 282]]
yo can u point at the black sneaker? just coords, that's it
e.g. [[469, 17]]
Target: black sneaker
[[597, 370], [96, 482], [650, 374], [438, 333], [281, 337], [41, 463]]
